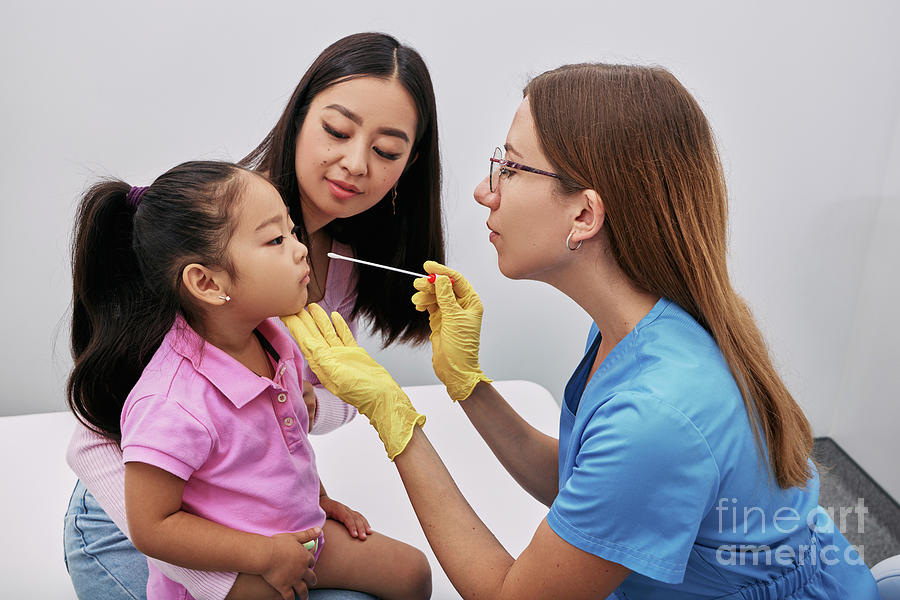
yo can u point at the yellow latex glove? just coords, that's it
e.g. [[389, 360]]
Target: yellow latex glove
[[347, 371], [454, 313]]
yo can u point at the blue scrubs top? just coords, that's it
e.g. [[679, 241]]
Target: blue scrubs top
[[659, 472]]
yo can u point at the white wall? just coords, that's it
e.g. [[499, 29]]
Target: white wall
[[867, 411], [803, 97]]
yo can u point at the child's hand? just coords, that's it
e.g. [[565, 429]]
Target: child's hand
[[289, 567], [355, 523]]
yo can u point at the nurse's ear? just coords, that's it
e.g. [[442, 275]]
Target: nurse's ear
[[589, 216]]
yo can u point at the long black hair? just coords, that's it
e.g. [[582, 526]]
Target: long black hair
[[127, 262], [405, 239]]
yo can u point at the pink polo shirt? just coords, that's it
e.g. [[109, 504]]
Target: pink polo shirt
[[238, 440]]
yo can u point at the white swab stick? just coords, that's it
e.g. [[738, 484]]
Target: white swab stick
[[371, 264], [430, 278]]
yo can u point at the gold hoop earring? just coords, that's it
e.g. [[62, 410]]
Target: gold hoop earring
[[394, 198], [569, 239]]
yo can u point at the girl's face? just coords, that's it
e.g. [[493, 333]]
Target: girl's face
[[271, 271], [528, 222], [352, 147]]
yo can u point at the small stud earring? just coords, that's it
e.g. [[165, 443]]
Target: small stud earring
[[226, 298]]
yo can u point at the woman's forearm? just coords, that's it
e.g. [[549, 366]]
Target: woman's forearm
[[475, 562], [530, 456], [331, 411]]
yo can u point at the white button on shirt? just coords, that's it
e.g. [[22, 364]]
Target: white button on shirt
[[288, 421], [282, 397]]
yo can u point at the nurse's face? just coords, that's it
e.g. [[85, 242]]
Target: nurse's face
[[528, 222]]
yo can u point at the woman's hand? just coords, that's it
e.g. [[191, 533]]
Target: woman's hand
[[289, 566], [347, 371], [356, 524], [454, 313], [311, 402]]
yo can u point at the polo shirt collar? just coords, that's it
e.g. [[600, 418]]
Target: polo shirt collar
[[234, 380], [276, 335]]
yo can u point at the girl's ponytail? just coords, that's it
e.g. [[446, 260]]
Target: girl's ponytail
[[110, 305], [128, 252]]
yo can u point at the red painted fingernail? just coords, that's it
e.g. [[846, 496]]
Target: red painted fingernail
[[431, 278]]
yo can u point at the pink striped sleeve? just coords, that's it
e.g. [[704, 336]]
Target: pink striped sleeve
[[331, 412], [97, 461]]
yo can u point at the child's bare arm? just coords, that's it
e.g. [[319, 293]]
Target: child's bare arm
[[159, 528]]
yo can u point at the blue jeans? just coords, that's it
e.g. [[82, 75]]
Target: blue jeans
[[104, 565]]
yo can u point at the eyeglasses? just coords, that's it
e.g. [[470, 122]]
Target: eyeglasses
[[500, 169]]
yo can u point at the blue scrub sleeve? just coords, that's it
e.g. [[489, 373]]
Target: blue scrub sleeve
[[642, 481]]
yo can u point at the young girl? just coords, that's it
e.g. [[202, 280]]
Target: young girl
[[178, 358], [350, 188]]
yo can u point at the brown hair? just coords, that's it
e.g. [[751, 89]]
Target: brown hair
[[636, 136]]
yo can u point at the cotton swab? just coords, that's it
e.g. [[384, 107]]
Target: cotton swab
[[430, 278]]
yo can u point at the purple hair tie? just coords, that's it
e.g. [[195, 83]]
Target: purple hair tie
[[134, 195]]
